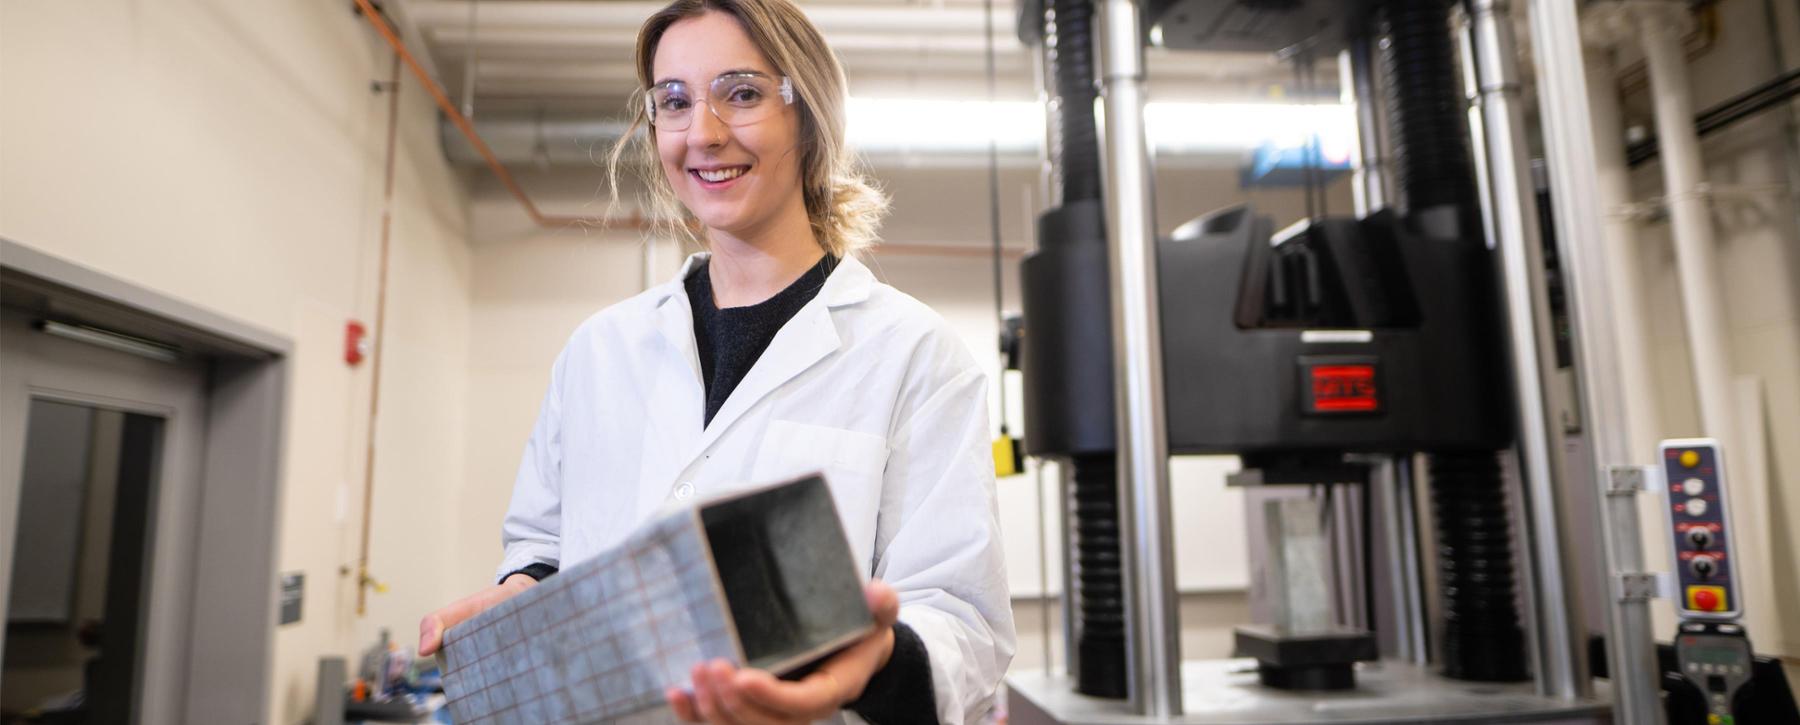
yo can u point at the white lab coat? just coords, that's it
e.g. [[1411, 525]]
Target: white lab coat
[[865, 383]]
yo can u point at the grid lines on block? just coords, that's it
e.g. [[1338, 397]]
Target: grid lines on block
[[595, 642]]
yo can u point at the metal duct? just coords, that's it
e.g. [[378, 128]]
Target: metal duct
[[544, 141]]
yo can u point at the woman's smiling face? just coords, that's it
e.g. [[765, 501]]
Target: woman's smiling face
[[734, 179]]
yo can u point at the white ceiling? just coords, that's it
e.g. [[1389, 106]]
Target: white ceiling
[[574, 56]]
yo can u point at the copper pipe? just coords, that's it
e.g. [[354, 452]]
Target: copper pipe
[[634, 221], [379, 352]]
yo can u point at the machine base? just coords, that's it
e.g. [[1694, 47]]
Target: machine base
[[1225, 692], [1324, 660]]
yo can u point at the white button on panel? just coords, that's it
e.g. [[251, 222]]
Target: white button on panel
[[684, 491], [1696, 507], [1693, 486]]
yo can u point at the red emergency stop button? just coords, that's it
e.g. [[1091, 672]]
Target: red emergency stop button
[[1706, 598]]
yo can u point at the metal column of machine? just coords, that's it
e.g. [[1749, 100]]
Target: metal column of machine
[[1513, 220], [1556, 36], [1371, 175], [1153, 630]]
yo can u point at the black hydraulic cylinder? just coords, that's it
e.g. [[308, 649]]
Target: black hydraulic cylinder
[[1066, 351], [1482, 637], [1436, 175], [1066, 354], [1426, 108], [1099, 582]]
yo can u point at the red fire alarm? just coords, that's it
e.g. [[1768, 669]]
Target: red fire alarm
[[356, 342]]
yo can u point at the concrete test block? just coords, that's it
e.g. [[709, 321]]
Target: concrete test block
[[763, 578]]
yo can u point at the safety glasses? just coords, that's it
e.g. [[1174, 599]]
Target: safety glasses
[[737, 99]]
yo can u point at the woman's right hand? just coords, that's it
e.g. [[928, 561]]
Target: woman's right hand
[[431, 628]]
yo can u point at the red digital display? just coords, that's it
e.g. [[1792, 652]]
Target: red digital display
[[1344, 388]]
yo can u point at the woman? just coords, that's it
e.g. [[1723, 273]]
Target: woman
[[777, 354]]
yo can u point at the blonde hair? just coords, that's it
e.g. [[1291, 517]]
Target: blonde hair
[[844, 208]]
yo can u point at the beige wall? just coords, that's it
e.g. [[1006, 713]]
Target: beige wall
[[230, 154], [1758, 247], [531, 288]]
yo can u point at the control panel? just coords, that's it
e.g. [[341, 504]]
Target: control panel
[[1700, 523], [1716, 657]]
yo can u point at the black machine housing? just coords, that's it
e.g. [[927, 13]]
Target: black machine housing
[[1248, 318], [1340, 335]]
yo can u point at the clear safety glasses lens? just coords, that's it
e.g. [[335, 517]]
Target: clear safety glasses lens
[[737, 99]]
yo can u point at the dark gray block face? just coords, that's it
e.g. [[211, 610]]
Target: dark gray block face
[[789, 583], [764, 577]]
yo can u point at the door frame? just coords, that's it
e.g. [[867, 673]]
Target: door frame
[[231, 625]]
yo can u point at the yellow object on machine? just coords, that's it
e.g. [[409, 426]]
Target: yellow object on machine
[[1006, 457]]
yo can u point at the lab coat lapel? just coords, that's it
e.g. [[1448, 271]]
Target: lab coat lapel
[[676, 323], [680, 399], [803, 341]]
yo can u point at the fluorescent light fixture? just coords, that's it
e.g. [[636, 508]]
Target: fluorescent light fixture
[[111, 340], [1178, 128], [892, 125], [878, 125]]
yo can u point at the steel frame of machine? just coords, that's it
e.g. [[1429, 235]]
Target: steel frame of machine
[[1160, 684]]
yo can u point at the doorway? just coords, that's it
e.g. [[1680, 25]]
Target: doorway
[[139, 459], [73, 632], [107, 434]]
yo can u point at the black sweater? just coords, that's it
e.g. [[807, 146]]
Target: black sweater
[[730, 340]]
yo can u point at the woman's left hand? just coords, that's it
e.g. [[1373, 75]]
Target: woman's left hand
[[722, 693]]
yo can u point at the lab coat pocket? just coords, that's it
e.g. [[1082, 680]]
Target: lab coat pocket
[[852, 462]]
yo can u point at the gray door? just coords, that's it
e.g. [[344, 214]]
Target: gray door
[[114, 444]]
